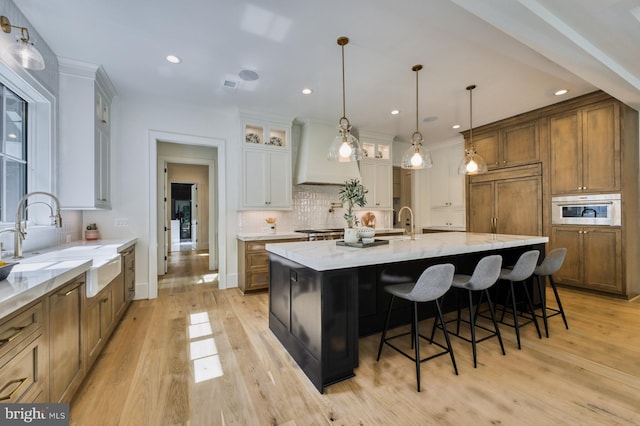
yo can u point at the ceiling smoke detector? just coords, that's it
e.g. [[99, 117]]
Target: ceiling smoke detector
[[248, 75]]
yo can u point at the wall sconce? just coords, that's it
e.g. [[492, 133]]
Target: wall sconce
[[25, 52]]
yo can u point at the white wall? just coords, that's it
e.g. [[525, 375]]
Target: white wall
[[130, 161]]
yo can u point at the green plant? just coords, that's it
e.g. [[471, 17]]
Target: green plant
[[92, 227], [352, 193]]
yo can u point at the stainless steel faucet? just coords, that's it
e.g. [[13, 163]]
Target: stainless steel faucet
[[20, 231], [411, 232]]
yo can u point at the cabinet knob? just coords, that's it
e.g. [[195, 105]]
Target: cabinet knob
[[504, 161]]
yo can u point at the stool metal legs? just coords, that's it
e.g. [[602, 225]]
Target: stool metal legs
[[529, 304], [560, 310], [415, 336]]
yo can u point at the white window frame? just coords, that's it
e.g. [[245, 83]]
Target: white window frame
[[41, 133]]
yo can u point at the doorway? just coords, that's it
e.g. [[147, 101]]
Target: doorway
[[184, 216], [166, 148]]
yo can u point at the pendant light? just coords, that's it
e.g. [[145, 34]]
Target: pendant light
[[472, 163], [345, 146], [25, 52], [416, 157]]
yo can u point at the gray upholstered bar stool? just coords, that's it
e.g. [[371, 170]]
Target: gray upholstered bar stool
[[549, 266], [485, 275], [522, 270], [430, 286]]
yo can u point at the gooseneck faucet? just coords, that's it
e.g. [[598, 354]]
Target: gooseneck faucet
[[20, 231], [411, 232]]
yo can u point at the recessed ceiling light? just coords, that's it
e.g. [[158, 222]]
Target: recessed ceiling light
[[307, 91], [455, 126], [561, 92], [395, 112], [248, 75], [173, 59]]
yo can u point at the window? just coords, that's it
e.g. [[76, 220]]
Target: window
[[13, 152]]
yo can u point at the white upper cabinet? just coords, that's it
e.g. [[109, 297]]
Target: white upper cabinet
[[266, 164], [446, 186], [84, 160], [376, 169]]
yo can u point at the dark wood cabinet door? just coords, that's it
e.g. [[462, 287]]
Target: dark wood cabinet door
[[570, 238], [601, 147], [602, 259], [520, 145], [481, 203], [565, 132], [519, 206]]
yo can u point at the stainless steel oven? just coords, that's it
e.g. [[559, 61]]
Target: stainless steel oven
[[596, 209]]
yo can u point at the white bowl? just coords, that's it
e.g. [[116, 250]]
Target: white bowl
[[365, 232]]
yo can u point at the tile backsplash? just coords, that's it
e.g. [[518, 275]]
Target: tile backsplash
[[311, 209]]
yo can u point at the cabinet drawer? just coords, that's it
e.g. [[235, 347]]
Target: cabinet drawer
[[257, 261], [19, 380], [258, 279], [255, 246], [18, 328]]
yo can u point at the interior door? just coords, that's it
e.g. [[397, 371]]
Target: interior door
[[165, 216], [194, 216]]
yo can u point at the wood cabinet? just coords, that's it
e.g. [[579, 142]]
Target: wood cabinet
[[85, 130], [65, 340], [446, 187], [98, 322], [510, 146], [594, 257], [129, 265], [253, 264], [585, 149], [23, 356], [506, 202], [266, 165]]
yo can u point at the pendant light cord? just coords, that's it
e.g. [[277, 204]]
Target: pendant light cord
[[470, 89], [417, 69]]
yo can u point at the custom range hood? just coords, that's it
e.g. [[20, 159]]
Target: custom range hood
[[312, 166]]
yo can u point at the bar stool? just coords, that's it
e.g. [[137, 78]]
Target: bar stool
[[522, 270], [485, 275], [549, 266], [430, 286]]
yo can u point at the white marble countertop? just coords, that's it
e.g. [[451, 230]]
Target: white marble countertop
[[42, 271], [326, 255], [445, 228]]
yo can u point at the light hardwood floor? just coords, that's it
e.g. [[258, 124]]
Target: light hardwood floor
[[588, 375]]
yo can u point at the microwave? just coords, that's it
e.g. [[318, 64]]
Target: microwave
[[595, 209]]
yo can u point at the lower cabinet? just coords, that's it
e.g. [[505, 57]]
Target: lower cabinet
[[253, 264], [65, 340], [23, 356], [97, 323], [594, 257], [129, 262]]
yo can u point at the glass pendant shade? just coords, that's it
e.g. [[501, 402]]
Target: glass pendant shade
[[416, 157], [345, 147], [472, 163], [28, 55]]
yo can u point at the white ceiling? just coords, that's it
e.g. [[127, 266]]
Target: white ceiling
[[516, 52]]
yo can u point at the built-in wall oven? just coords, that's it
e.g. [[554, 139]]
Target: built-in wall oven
[[595, 209]]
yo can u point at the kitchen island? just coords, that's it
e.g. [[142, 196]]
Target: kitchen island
[[323, 297]]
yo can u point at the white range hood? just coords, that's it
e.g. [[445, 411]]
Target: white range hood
[[312, 166]]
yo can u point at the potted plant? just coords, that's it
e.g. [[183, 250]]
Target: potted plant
[[91, 233], [352, 194]]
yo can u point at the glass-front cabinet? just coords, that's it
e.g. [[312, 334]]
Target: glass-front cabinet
[[266, 164]]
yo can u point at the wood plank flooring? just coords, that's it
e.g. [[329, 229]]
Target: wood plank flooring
[[150, 372]]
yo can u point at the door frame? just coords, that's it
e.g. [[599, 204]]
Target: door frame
[[217, 203]]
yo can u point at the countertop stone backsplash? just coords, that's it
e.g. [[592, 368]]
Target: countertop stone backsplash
[[311, 205]]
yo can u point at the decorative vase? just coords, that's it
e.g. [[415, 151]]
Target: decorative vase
[[350, 235], [91, 234]]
